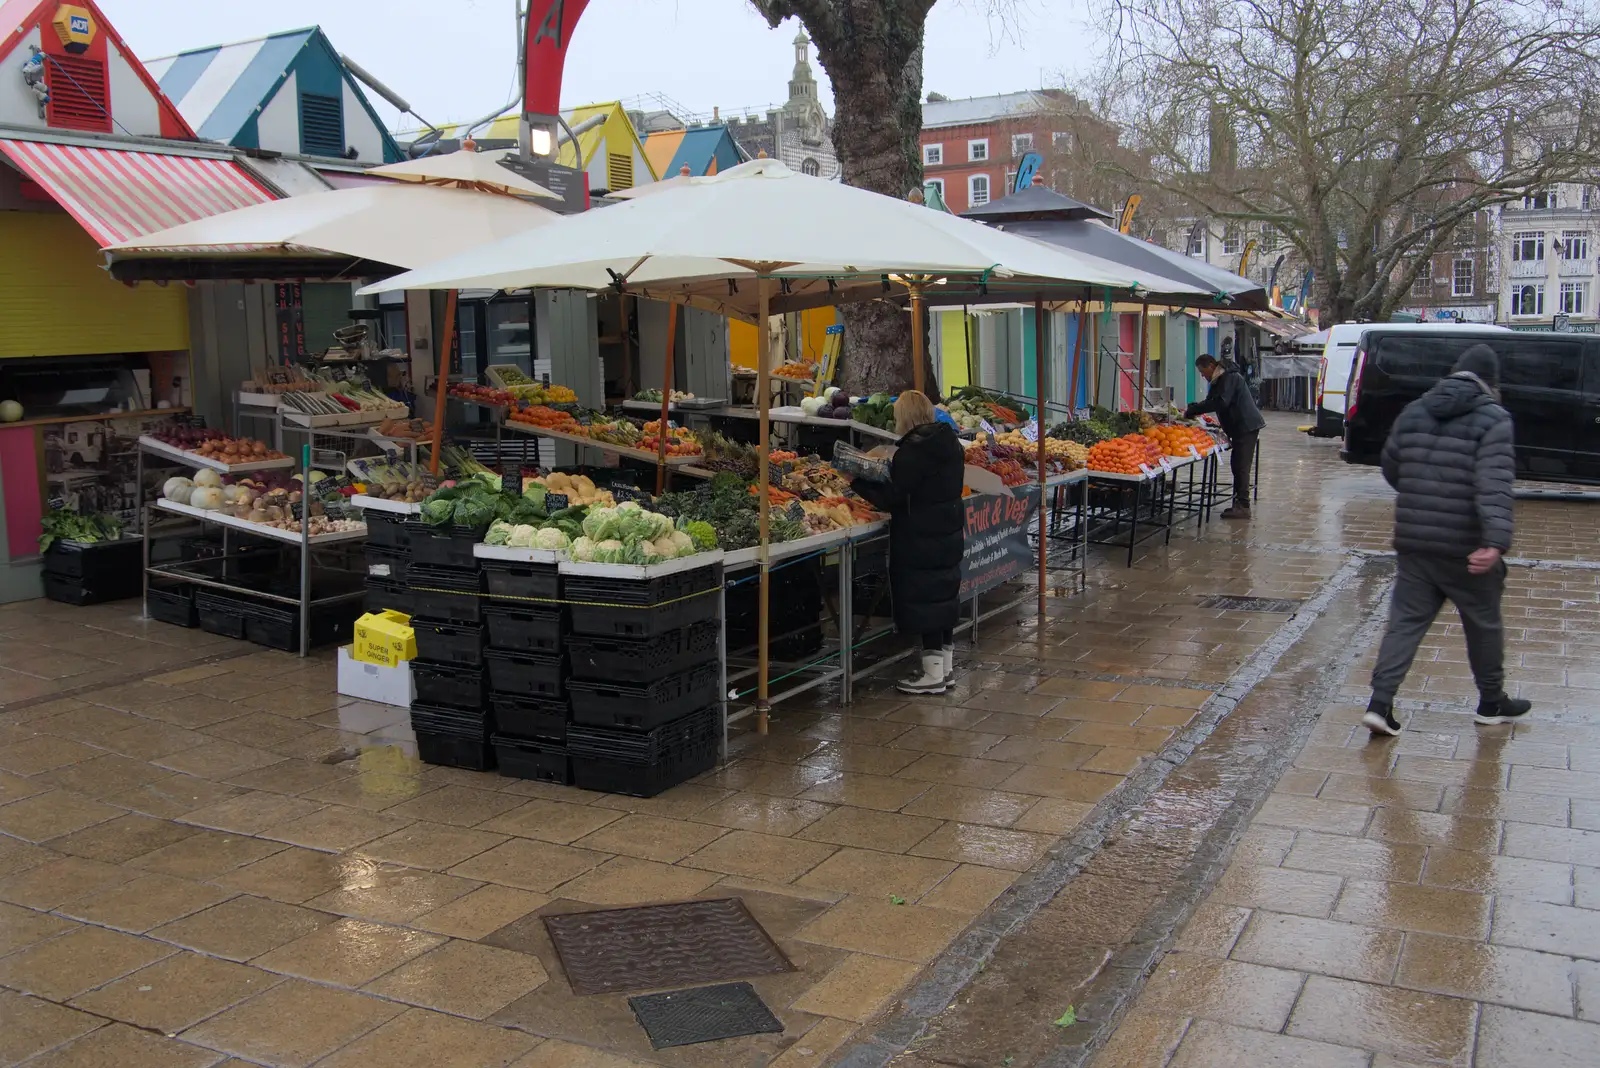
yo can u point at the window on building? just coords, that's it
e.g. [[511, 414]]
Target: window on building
[[1527, 246], [1466, 232], [809, 166], [1539, 200], [1196, 245], [1575, 246], [1061, 141], [978, 150], [1021, 143], [1575, 298], [1422, 285], [937, 184], [1462, 278], [977, 190], [1269, 238], [1589, 198], [1342, 238], [1232, 241], [932, 155], [1527, 300], [1011, 183]]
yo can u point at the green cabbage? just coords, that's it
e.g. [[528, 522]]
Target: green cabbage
[[438, 510], [475, 511], [499, 533]]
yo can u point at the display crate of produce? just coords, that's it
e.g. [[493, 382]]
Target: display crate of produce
[[260, 530], [172, 604], [449, 545], [646, 705], [76, 591], [172, 452], [451, 685], [627, 601], [530, 717], [451, 738], [387, 562], [369, 503], [644, 763], [94, 562], [441, 593], [385, 528], [219, 615], [642, 660], [523, 673], [523, 758], [444, 642], [524, 628]]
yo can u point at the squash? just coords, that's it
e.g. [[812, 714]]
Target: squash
[[207, 477], [207, 497], [177, 489]]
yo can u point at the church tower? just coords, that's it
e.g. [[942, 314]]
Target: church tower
[[802, 84]]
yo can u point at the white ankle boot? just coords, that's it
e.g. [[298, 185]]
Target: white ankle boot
[[949, 655], [932, 679]]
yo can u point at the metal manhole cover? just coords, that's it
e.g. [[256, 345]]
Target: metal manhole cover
[[1225, 603], [649, 946], [705, 1014]]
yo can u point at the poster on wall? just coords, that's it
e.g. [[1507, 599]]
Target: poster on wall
[[289, 310], [996, 548]]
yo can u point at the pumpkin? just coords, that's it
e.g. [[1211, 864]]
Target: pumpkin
[[177, 489], [207, 477], [207, 497]]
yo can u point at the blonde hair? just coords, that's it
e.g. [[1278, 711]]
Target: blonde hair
[[912, 409]]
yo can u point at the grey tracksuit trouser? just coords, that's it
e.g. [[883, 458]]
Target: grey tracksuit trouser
[[1422, 586]]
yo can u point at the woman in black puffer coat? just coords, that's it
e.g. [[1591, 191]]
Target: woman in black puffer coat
[[923, 497]]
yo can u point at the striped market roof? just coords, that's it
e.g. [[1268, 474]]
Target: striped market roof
[[706, 150], [218, 89]]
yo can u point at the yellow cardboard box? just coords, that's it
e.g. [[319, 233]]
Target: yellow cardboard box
[[384, 638]]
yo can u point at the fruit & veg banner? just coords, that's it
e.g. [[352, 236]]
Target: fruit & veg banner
[[996, 548]]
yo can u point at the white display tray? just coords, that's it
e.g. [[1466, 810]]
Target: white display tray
[[258, 529], [161, 448], [517, 554], [379, 504], [642, 571], [647, 455], [811, 543]]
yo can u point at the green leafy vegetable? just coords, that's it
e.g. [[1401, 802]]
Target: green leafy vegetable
[[1068, 1018], [65, 524]]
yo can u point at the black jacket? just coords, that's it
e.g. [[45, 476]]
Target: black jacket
[[1229, 397], [923, 498], [1450, 456]]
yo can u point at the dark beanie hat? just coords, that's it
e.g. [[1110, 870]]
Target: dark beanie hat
[[1481, 361]]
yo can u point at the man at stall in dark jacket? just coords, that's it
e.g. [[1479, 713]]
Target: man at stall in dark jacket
[[1449, 456], [1229, 397]]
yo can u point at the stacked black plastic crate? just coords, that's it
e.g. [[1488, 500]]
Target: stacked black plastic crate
[[527, 669], [450, 714], [388, 561], [645, 676]]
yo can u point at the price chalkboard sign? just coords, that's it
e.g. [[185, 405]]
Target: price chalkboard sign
[[554, 502], [628, 493]]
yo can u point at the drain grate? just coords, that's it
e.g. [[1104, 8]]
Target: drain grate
[[662, 945], [1225, 603], [705, 1014]]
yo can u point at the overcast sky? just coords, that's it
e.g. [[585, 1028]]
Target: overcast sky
[[454, 60]]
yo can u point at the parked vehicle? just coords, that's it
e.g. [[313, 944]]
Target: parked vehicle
[[1549, 382], [1338, 353]]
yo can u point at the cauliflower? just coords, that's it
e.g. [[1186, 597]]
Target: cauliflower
[[682, 544], [602, 523], [550, 538], [609, 551], [662, 549], [522, 536], [582, 550], [499, 533], [629, 506]]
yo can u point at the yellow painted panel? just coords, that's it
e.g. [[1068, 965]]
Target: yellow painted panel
[[814, 332], [55, 300], [742, 344], [953, 342]]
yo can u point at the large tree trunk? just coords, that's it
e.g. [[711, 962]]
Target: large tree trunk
[[872, 53]]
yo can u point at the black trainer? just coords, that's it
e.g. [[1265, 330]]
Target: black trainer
[[1380, 719], [1502, 709]]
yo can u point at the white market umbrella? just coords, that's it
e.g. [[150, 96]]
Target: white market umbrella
[[396, 223], [466, 168]]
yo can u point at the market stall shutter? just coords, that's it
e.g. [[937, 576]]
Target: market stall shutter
[[56, 300]]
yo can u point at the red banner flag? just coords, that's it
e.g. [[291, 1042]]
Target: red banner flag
[[550, 26]]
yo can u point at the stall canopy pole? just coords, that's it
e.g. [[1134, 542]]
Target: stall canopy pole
[[764, 402], [441, 382], [1077, 357], [1039, 392], [919, 337], [1144, 349], [966, 339], [666, 400]]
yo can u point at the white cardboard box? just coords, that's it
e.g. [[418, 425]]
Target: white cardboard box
[[374, 682]]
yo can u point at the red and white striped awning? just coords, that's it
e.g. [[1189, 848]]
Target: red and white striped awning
[[117, 195]]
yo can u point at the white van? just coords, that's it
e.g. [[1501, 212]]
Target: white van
[[1333, 375]]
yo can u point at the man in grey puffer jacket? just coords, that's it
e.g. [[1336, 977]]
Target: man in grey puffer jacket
[[1450, 457]]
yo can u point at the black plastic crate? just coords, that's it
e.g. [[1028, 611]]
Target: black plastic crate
[[530, 717], [644, 764], [444, 642], [642, 660], [613, 704], [172, 604], [514, 580], [523, 673], [442, 719], [439, 593], [386, 529], [278, 626], [524, 629], [521, 758], [444, 546], [77, 590], [219, 615], [387, 593], [387, 563], [98, 564], [257, 559], [470, 751], [634, 608], [451, 685]]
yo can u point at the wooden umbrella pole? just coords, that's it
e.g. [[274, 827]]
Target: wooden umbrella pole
[[1039, 394], [441, 383], [1077, 357], [763, 403], [1144, 349], [918, 338], [666, 400]]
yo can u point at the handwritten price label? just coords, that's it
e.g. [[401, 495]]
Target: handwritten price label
[[1031, 431], [1166, 465], [1149, 472], [1194, 452]]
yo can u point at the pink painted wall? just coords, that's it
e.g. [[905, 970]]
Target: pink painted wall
[[19, 481]]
